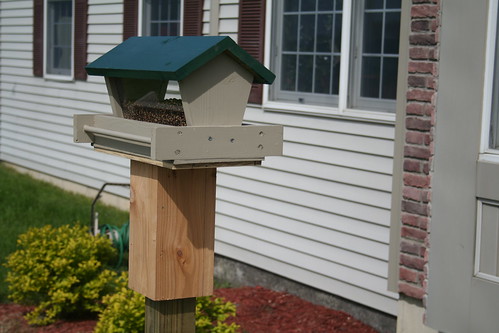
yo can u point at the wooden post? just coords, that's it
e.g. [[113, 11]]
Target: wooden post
[[172, 223], [177, 315]]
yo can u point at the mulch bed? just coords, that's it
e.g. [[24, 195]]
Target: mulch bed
[[12, 321], [259, 310], [263, 310]]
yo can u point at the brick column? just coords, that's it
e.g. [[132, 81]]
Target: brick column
[[418, 147]]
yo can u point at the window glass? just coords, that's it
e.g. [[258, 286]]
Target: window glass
[[291, 5], [59, 25], [374, 4], [161, 18], [370, 76], [373, 32], [393, 4]]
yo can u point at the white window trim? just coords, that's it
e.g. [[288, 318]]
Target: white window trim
[[340, 111], [140, 20], [56, 77], [478, 242], [486, 153]]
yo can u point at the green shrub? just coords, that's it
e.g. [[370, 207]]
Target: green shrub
[[125, 313], [212, 313], [61, 271]]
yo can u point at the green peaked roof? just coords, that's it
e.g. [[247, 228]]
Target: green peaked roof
[[172, 58]]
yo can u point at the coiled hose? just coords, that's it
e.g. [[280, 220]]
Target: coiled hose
[[119, 237]]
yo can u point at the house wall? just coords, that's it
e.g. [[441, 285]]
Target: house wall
[[36, 114], [318, 215], [463, 294]]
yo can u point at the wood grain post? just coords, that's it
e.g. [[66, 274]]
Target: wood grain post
[[173, 316], [172, 223]]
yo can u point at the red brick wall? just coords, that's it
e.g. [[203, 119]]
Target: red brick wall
[[421, 97]]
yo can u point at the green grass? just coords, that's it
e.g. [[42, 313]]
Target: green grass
[[26, 202]]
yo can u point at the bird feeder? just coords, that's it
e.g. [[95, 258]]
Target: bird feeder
[[175, 146], [203, 128]]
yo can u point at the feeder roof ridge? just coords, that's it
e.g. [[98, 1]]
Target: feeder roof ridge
[[172, 58]]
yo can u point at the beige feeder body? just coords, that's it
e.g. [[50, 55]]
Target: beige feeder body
[[216, 94], [204, 129]]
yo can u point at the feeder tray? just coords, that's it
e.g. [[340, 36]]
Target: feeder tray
[[179, 146]]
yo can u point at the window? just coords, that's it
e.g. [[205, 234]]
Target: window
[[310, 44], [494, 117], [376, 54], [59, 37], [164, 17], [316, 41], [161, 18]]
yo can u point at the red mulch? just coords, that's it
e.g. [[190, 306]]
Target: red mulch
[[12, 321], [263, 310], [258, 310]]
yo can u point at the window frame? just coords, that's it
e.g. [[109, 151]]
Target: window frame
[[343, 109], [140, 18], [46, 74], [491, 60], [477, 268]]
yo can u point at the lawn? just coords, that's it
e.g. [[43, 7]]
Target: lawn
[[26, 202]]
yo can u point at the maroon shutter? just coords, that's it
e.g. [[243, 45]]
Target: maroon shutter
[[193, 18], [130, 18], [80, 43], [38, 38], [251, 36]]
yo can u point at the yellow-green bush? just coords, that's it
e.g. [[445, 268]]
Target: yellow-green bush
[[125, 313], [62, 271], [212, 313]]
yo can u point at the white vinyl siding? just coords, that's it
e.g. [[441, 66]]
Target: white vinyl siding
[[36, 115], [318, 215], [105, 30], [228, 13]]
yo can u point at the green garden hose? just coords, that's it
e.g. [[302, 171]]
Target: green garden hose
[[119, 237]]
